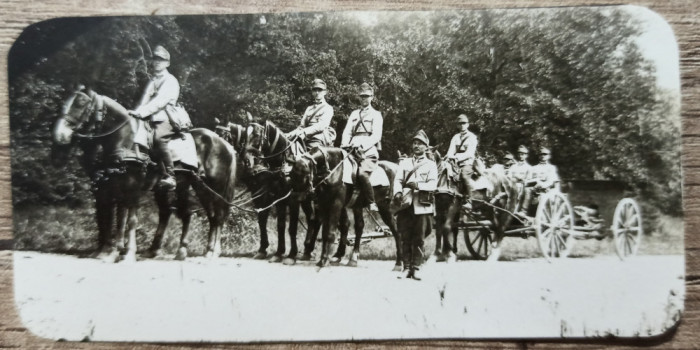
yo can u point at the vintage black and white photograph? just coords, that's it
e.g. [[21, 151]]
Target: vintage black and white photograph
[[337, 176]]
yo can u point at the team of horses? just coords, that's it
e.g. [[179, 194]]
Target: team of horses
[[279, 173]]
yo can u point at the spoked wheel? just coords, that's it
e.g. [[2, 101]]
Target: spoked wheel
[[554, 223], [479, 242], [627, 228]]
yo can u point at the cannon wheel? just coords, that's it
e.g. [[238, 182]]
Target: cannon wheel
[[479, 242], [554, 223], [627, 228]]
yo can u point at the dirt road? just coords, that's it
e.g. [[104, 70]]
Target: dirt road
[[228, 299]]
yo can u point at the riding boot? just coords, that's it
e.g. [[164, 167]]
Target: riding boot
[[466, 191], [366, 187], [414, 273], [168, 181]]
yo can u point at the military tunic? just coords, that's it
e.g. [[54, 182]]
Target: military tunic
[[463, 147], [520, 172], [316, 119], [415, 222], [546, 175], [364, 128], [160, 91]]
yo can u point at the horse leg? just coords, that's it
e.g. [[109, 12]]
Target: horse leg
[[264, 243], [131, 223], [216, 222], [343, 227], [390, 221], [293, 225], [451, 226], [183, 212], [105, 215], [313, 226], [359, 227], [281, 223], [156, 249], [330, 224], [122, 216]]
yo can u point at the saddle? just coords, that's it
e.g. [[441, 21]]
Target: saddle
[[182, 149], [350, 168]]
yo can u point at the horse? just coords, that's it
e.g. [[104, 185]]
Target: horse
[[265, 153], [319, 173], [494, 199], [121, 172]]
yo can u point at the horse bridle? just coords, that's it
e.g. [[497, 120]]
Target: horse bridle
[[95, 106]]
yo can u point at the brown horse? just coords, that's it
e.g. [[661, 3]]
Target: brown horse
[[265, 153], [319, 174], [493, 204], [121, 172]]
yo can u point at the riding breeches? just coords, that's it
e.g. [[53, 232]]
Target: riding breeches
[[366, 166], [163, 133]]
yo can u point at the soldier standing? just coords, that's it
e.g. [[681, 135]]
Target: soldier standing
[[315, 127], [416, 176], [463, 151], [162, 89], [363, 134]]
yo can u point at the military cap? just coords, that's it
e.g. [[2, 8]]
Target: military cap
[[365, 89], [161, 52], [545, 150], [508, 156], [318, 84], [422, 137], [522, 149], [462, 118]]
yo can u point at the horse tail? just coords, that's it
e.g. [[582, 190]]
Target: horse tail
[[218, 161]]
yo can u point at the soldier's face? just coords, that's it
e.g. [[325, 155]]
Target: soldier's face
[[419, 148], [318, 94], [365, 100], [159, 65], [522, 156], [463, 126], [544, 157]]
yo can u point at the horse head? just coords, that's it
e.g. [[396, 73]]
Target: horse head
[[78, 113]]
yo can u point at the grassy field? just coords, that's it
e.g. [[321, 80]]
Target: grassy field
[[73, 231]]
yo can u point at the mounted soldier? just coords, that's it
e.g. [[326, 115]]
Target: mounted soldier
[[162, 90], [414, 184], [462, 152], [362, 135], [508, 162], [315, 127]]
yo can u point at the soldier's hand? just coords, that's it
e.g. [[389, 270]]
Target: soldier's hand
[[135, 114]]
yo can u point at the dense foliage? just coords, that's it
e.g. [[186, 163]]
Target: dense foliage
[[571, 79]]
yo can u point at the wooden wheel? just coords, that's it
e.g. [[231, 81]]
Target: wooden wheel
[[479, 242], [627, 228], [554, 223]]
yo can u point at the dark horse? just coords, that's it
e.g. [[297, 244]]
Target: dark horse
[[319, 173], [121, 172], [264, 153], [493, 201]]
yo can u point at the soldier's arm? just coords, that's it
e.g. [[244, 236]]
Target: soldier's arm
[[324, 121], [551, 178], [377, 126], [452, 150], [168, 93], [347, 132]]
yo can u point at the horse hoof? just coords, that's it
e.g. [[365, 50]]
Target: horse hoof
[[351, 263], [323, 262], [128, 258], [451, 258], [154, 254], [305, 257], [260, 255], [275, 259], [335, 261], [432, 258], [109, 257], [181, 254], [209, 255], [398, 267], [495, 254], [289, 261]]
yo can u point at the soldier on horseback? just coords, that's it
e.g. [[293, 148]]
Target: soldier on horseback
[[363, 134], [162, 90], [462, 151], [315, 127]]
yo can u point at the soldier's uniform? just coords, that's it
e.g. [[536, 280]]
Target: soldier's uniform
[[315, 127], [463, 150], [364, 131], [415, 222], [162, 90], [544, 178], [521, 171], [508, 162]]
